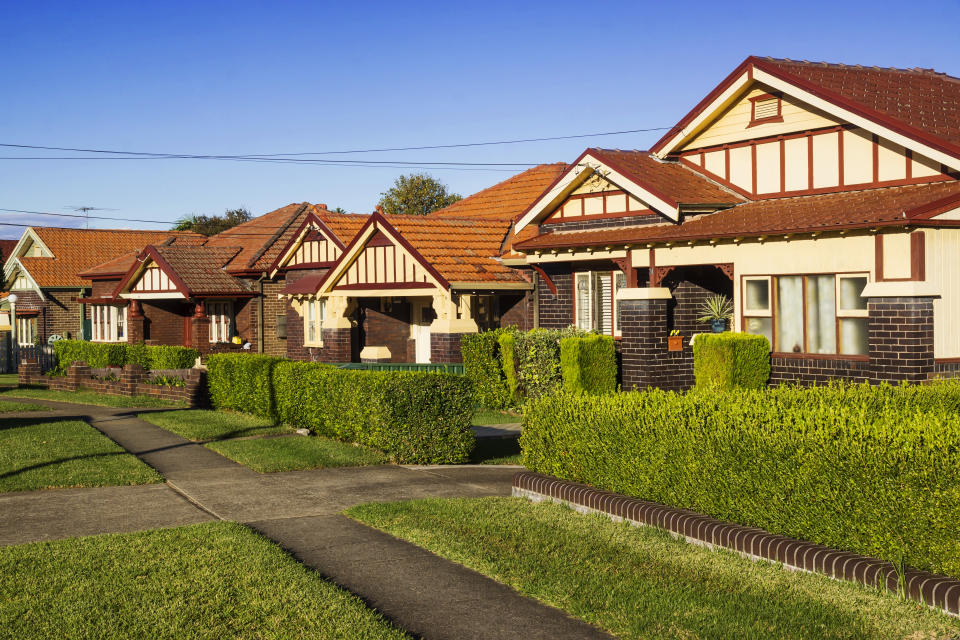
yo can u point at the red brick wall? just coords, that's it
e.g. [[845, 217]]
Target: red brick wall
[[60, 315], [165, 321], [103, 288], [516, 310], [445, 348], [389, 328]]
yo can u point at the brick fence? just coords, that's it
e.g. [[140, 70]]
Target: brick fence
[[940, 592], [132, 380]]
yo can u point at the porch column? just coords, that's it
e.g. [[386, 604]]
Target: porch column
[[643, 324], [337, 328], [454, 318], [135, 323], [900, 320], [200, 328]]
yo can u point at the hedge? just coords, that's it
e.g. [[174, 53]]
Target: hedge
[[242, 382], [728, 360], [116, 354], [589, 364], [872, 470], [507, 343], [482, 365], [417, 418]]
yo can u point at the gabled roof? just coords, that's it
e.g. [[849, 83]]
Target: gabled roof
[[891, 206], [197, 271], [75, 250], [505, 200], [662, 185], [903, 105]]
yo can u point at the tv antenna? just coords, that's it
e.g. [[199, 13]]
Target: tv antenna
[[86, 211]]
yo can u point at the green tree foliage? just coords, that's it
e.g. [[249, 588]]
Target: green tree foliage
[[212, 225], [416, 194]]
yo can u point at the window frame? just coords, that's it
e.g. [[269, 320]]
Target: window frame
[[220, 320], [764, 97], [319, 307], [30, 324], [614, 330], [839, 313], [105, 322]]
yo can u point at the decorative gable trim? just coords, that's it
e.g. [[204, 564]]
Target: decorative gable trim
[[29, 235], [168, 286], [17, 267], [378, 233], [312, 223], [585, 166]]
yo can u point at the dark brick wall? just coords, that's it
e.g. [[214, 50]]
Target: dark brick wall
[[517, 311], [103, 288], [556, 310], [274, 306], [808, 371], [901, 339], [646, 361], [445, 348], [60, 315], [388, 328], [336, 346], [165, 321]]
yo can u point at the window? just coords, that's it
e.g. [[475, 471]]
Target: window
[[26, 331], [221, 320], [765, 108], [814, 314], [313, 313], [109, 323], [595, 296]]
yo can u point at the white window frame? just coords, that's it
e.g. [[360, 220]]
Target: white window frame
[[108, 323], [313, 311], [26, 331], [220, 313], [592, 294]]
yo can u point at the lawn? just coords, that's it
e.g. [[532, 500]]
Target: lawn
[[490, 417], [294, 453], [46, 453], [217, 580], [200, 425], [496, 451], [89, 397], [639, 582], [8, 379], [10, 407]]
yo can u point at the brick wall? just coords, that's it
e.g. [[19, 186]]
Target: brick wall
[[389, 328], [901, 339], [133, 381], [445, 348], [60, 315], [556, 310], [165, 321], [517, 311], [103, 288], [337, 346], [274, 306], [810, 370]]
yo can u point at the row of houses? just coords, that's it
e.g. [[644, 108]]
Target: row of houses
[[823, 199]]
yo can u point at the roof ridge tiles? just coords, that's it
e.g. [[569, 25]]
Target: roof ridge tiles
[[841, 65]]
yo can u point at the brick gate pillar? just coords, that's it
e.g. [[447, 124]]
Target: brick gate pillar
[[900, 321], [200, 329], [643, 324]]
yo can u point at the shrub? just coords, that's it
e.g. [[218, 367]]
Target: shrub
[[482, 365], [538, 360], [589, 364], [117, 354], [421, 418], [242, 382], [169, 357], [508, 363], [873, 470], [138, 354], [728, 360]]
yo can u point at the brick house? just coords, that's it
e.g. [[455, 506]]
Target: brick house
[[42, 269], [206, 292], [406, 288], [823, 199]]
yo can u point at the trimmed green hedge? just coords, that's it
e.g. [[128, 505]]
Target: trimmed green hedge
[[242, 382], [589, 364], [728, 360], [873, 470], [117, 354], [417, 418], [482, 365], [507, 343]]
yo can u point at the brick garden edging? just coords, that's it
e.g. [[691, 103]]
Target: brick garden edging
[[939, 592]]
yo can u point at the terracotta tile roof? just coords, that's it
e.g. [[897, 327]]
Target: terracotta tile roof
[[260, 240], [508, 199], [202, 268], [6, 248], [116, 267], [671, 179], [921, 98], [460, 249], [891, 206], [76, 250]]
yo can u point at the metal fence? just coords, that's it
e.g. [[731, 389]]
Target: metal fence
[[402, 366], [43, 354]]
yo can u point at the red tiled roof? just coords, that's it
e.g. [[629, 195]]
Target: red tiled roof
[[201, 269], [891, 206], [508, 199], [671, 179], [76, 250], [6, 248]]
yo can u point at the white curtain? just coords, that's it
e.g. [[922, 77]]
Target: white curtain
[[789, 314], [583, 301], [821, 315]]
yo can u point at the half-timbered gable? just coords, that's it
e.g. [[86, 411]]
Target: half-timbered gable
[[314, 246]]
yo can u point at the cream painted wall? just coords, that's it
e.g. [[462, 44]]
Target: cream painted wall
[[943, 271], [896, 256], [731, 126]]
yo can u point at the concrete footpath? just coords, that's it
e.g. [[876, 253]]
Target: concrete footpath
[[427, 595]]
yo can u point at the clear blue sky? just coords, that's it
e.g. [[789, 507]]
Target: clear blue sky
[[277, 77]]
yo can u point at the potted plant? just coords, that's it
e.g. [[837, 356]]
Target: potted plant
[[675, 341], [717, 310]]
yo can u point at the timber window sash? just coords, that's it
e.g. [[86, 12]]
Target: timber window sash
[[26, 331], [594, 301], [220, 313], [313, 313], [109, 323]]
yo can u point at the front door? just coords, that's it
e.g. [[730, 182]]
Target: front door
[[421, 337]]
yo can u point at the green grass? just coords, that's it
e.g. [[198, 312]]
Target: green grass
[[201, 425], [8, 379], [45, 453], [641, 582], [213, 581], [484, 417], [496, 451], [89, 397], [294, 453], [10, 407]]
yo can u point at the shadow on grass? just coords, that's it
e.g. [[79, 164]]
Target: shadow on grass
[[492, 450]]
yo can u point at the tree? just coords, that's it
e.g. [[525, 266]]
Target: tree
[[416, 194], [212, 225]]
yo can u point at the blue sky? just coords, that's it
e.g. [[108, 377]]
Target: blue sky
[[280, 77]]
